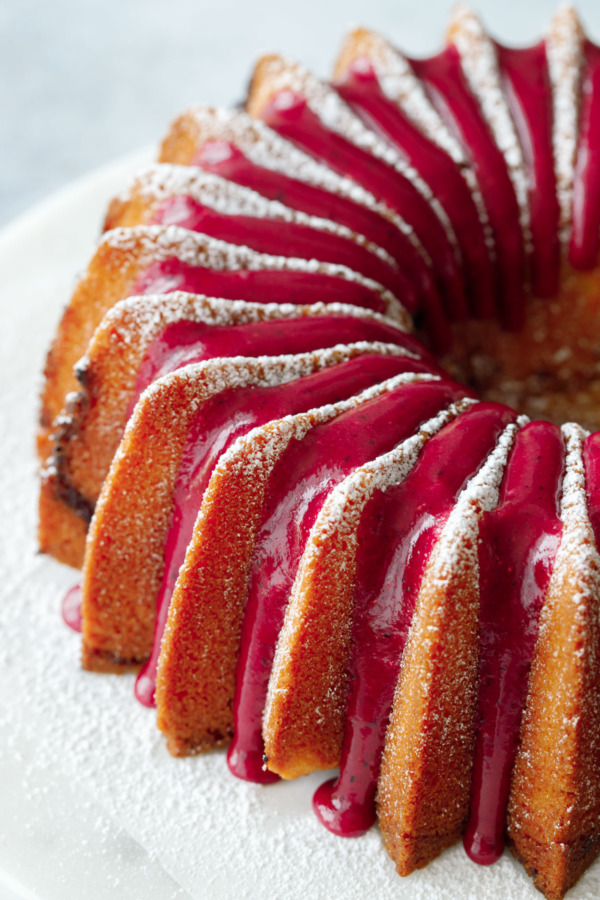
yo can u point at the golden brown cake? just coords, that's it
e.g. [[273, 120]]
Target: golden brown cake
[[326, 541]]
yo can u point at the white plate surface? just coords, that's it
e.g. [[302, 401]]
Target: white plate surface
[[92, 804]]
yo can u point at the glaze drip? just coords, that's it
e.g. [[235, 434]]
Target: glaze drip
[[215, 427], [585, 237], [529, 96], [518, 545], [397, 534], [299, 486]]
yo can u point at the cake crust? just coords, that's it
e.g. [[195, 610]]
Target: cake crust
[[554, 810]]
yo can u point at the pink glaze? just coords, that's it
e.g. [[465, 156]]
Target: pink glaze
[[71, 608], [289, 114], [216, 426], [528, 92], [447, 86], [299, 485], [183, 343], [517, 548], [361, 89], [398, 531], [259, 286], [585, 238], [224, 159], [280, 238], [591, 462]]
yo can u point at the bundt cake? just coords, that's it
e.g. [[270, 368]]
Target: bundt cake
[[305, 428]]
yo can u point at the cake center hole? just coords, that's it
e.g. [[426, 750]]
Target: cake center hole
[[551, 368]]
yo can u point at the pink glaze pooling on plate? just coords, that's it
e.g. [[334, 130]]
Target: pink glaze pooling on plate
[[216, 426], [280, 238], [362, 91], [399, 529], [517, 548], [71, 608], [299, 485]]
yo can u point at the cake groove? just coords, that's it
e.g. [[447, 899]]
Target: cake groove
[[320, 547]]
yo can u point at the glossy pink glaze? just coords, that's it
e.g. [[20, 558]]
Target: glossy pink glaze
[[299, 485], [448, 89], [585, 238], [71, 608], [528, 92], [591, 462], [517, 548], [258, 286], [224, 159], [185, 342], [279, 238], [362, 91], [216, 426], [398, 530], [289, 114]]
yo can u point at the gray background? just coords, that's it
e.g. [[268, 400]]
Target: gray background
[[83, 82]]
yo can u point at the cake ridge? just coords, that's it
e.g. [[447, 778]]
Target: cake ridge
[[163, 180], [265, 147], [191, 246], [338, 117], [439, 640], [467, 158], [152, 310], [560, 725], [332, 542], [401, 85], [564, 47], [480, 64]]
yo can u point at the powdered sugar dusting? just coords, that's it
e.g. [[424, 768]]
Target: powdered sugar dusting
[[457, 547], [479, 61], [564, 51], [340, 515], [378, 475], [336, 115], [265, 148], [400, 84], [282, 431], [266, 371], [152, 313], [162, 181], [577, 558], [152, 243], [213, 833]]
